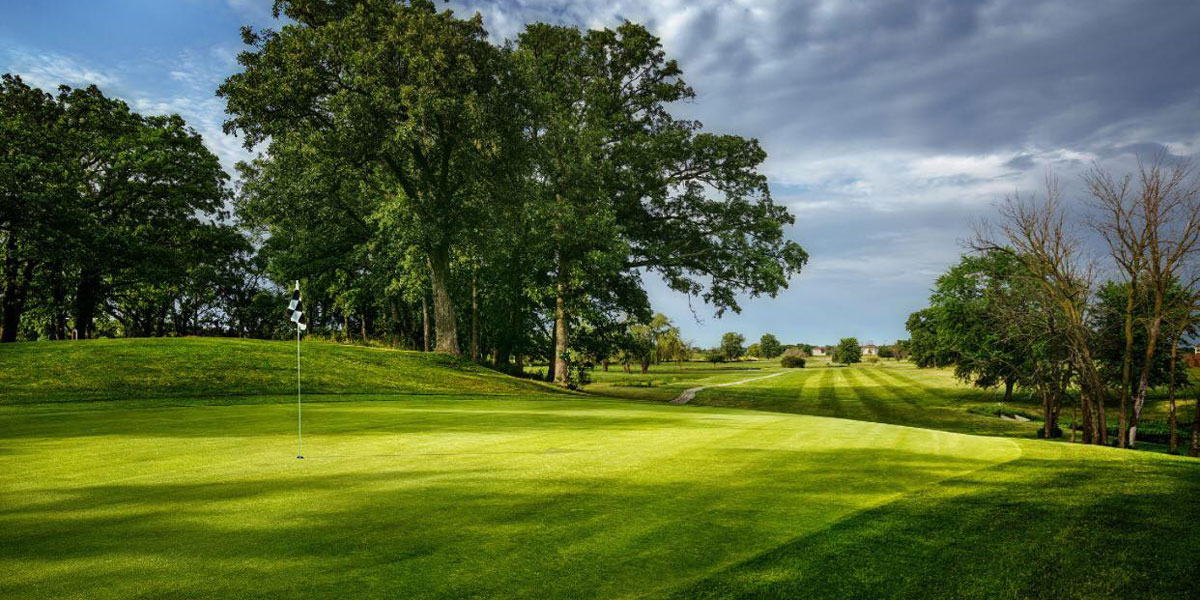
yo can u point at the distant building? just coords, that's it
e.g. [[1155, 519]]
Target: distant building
[[818, 351], [870, 350]]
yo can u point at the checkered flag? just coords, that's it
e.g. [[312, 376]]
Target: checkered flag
[[296, 309]]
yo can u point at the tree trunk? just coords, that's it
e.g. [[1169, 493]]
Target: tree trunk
[[87, 297], [645, 367], [425, 322], [1087, 425], [1126, 364], [1050, 414], [560, 327], [17, 278], [474, 319], [1174, 443], [1008, 390], [1194, 447], [58, 299], [604, 364], [1139, 401], [445, 325], [1171, 414]]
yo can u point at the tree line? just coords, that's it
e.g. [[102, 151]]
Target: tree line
[[114, 223], [428, 187], [1030, 308]]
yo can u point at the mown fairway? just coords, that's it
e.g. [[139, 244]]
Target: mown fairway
[[542, 494], [883, 392]]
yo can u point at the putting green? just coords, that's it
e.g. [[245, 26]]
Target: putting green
[[458, 497]]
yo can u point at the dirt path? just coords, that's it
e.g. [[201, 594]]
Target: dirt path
[[690, 393]]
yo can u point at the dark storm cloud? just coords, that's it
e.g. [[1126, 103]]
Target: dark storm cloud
[[892, 126]]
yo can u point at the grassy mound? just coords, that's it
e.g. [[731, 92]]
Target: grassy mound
[[233, 369]]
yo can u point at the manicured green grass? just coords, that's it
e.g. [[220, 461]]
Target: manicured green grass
[[219, 370], [1062, 521], [667, 380], [512, 489], [883, 392], [433, 497]]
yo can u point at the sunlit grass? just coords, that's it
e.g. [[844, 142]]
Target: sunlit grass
[[429, 477], [433, 498]]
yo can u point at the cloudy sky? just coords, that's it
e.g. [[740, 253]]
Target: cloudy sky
[[891, 126]]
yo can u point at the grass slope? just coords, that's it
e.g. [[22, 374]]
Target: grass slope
[[232, 370]]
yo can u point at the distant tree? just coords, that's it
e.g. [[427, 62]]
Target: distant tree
[[967, 306], [754, 350], [901, 349], [848, 351], [732, 345], [793, 358], [927, 349], [115, 212], [769, 346], [887, 352], [715, 355]]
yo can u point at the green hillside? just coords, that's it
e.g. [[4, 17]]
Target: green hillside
[[207, 369]]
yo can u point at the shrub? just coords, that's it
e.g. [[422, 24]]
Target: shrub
[[793, 362], [872, 359]]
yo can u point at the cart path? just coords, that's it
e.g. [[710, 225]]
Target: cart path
[[690, 393]]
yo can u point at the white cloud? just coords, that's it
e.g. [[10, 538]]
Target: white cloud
[[49, 70]]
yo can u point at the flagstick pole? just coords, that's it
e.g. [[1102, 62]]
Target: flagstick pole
[[299, 405]]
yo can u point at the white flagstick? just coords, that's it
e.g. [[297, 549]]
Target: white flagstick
[[299, 404]]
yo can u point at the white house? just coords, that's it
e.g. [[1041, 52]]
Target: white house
[[870, 350]]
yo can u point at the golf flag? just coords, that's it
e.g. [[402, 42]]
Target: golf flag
[[296, 309], [296, 315]]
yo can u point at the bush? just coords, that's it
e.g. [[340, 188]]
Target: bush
[[793, 362], [872, 359]]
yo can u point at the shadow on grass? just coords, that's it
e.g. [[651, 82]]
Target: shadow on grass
[[1032, 528], [443, 528]]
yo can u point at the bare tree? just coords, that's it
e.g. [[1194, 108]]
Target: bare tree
[[1125, 232], [1036, 231], [1170, 213]]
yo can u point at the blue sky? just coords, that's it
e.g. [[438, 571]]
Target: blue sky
[[891, 126]]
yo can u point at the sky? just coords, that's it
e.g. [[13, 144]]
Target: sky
[[892, 127]]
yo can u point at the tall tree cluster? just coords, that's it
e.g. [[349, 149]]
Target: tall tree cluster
[[1029, 308], [504, 201], [110, 221]]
